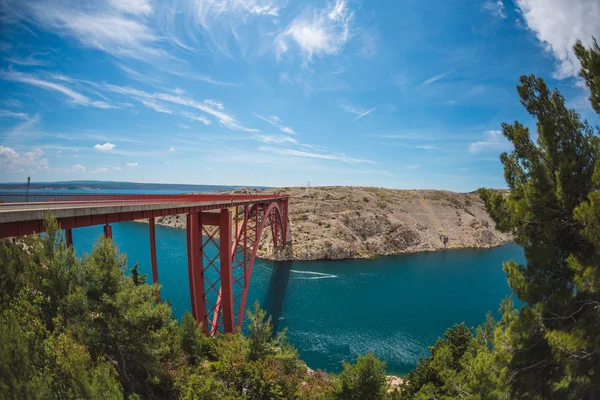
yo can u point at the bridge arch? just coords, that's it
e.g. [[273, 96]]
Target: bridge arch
[[247, 224], [272, 216]]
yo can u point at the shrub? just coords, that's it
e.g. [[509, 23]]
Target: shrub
[[365, 380]]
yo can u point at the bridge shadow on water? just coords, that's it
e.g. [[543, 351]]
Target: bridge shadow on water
[[275, 297]]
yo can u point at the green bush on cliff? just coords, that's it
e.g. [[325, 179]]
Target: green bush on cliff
[[365, 380]]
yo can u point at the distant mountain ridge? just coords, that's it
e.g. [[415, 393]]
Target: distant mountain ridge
[[113, 185]]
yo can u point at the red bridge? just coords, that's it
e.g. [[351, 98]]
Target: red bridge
[[232, 223]]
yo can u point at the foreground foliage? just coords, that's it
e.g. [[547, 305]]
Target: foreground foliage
[[84, 329]]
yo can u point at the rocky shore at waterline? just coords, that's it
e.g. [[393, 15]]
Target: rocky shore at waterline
[[342, 222]]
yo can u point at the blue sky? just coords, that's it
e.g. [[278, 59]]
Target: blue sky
[[401, 94]]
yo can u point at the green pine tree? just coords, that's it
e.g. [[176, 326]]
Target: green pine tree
[[260, 333], [138, 279], [364, 380], [553, 211]]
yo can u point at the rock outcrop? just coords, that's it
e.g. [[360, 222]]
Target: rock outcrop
[[334, 223]]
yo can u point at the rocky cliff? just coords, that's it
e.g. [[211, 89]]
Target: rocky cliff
[[342, 222]]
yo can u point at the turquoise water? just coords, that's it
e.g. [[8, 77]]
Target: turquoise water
[[335, 310]]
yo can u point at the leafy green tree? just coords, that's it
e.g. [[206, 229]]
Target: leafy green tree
[[17, 270], [552, 210], [365, 380], [260, 333], [202, 385], [590, 70], [232, 357], [438, 375], [19, 378], [72, 374], [121, 320], [138, 279], [106, 318], [194, 343], [40, 356]]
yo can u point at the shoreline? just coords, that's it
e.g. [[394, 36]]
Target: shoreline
[[345, 223], [358, 257]]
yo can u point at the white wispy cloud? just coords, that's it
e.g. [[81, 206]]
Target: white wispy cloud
[[223, 22], [156, 106], [11, 114], [198, 118], [417, 135], [11, 103], [117, 168], [26, 130], [427, 147], [214, 103], [494, 141], [431, 80], [34, 80], [28, 61], [306, 154], [494, 7], [311, 83], [75, 168], [60, 148], [319, 32], [363, 114], [208, 12], [105, 147], [200, 77], [352, 109], [277, 139], [359, 112], [172, 149], [276, 121], [28, 160], [227, 120], [138, 76], [91, 136], [109, 27], [132, 164], [419, 146], [413, 166], [102, 104], [137, 7], [558, 24], [99, 170]]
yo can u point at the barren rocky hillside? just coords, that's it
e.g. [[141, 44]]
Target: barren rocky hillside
[[359, 222]]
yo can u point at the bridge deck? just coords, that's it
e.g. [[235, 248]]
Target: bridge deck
[[18, 219]]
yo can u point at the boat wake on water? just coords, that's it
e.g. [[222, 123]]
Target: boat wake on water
[[319, 275]]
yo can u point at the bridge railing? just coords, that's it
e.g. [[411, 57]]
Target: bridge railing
[[183, 198]]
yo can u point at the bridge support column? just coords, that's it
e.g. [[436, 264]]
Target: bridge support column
[[152, 231], [285, 220], [69, 237], [108, 231], [196, 268], [226, 270]]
